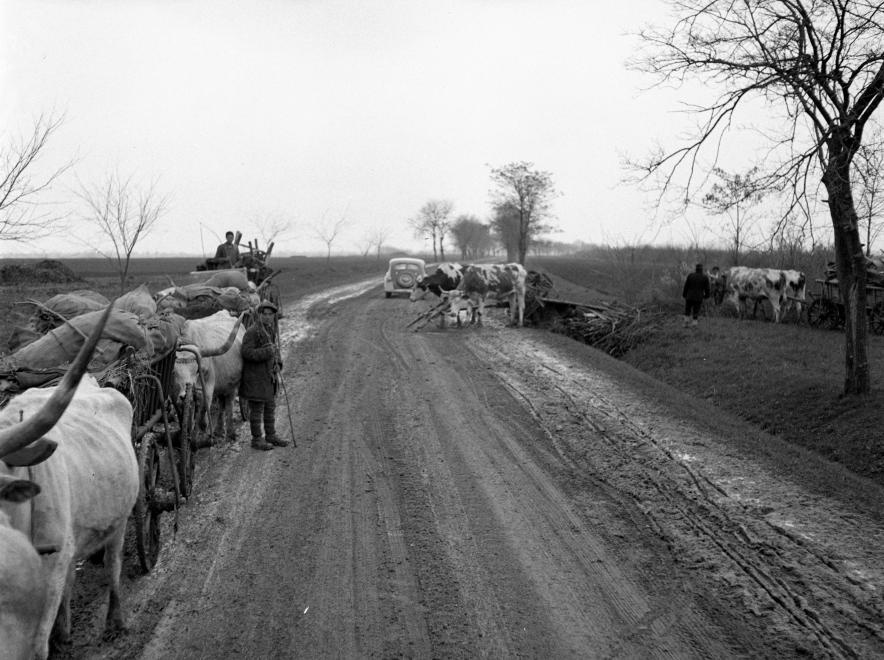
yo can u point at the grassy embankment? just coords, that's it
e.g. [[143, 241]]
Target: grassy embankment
[[786, 378]]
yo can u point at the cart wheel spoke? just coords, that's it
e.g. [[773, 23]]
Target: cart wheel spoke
[[186, 448], [147, 529]]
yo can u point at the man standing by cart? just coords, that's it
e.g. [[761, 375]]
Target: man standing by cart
[[261, 371]]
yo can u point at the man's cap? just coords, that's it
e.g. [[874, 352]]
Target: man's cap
[[266, 304], [699, 267]]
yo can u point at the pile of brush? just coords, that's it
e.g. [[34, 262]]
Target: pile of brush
[[610, 327]]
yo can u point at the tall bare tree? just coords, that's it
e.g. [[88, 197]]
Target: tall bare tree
[[433, 222], [733, 196], [529, 194], [818, 61], [22, 215], [271, 226], [868, 168], [328, 231], [375, 237], [123, 214]]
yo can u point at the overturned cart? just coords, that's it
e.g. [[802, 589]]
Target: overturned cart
[[138, 360]]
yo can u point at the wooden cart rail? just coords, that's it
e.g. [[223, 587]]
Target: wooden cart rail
[[827, 310]]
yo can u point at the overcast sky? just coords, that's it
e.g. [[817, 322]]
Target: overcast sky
[[314, 111]]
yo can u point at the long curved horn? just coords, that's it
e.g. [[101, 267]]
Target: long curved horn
[[221, 350], [25, 432]]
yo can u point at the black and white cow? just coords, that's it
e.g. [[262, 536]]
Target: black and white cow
[[483, 283]]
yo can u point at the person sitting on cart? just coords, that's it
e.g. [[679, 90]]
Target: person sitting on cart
[[261, 371], [227, 253]]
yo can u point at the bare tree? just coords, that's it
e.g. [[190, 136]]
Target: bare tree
[[432, 221], [21, 214], [375, 238], [527, 192], [869, 186], [271, 226], [123, 215], [821, 63], [732, 197], [329, 231]]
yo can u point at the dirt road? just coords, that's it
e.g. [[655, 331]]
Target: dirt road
[[499, 492]]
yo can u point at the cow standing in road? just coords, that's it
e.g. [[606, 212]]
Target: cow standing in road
[[22, 587], [87, 489], [441, 282], [493, 283], [209, 360]]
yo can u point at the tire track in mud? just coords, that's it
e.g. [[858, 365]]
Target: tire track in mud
[[772, 575], [519, 495]]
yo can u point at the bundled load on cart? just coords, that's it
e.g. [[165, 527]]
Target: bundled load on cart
[[136, 353]]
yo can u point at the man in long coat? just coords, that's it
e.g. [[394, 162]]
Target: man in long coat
[[696, 290], [261, 369]]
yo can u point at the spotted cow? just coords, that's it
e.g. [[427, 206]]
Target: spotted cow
[[757, 284], [444, 279], [495, 283]]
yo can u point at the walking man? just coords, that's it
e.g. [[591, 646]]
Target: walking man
[[696, 290], [261, 370]]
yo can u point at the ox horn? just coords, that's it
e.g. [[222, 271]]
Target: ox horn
[[221, 350], [27, 431]]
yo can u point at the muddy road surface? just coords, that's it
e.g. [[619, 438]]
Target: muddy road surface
[[498, 492]]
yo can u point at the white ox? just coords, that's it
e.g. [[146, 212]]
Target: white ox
[[22, 588], [87, 489], [497, 283], [214, 344]]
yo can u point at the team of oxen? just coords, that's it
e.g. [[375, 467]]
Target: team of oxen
[[470, 287], [69, 479], [783, 289]]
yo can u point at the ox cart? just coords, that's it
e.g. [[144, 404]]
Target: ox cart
[[826, 309], [165, 436]]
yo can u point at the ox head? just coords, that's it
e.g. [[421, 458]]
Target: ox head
[[191, 367], [17, 437], [419, 290]]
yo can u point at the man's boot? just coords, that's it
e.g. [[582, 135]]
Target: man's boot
[[259, 443], [276, 441]]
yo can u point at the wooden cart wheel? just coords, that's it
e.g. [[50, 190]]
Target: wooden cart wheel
[[147, 524], [876, 319], [186, 445], [830, 315], [815, 313]]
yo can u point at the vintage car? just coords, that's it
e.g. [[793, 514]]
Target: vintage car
[[401, 275]]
